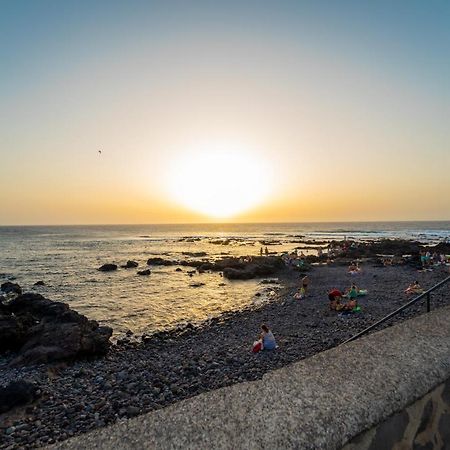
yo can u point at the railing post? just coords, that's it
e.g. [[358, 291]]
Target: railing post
[[428, 302]]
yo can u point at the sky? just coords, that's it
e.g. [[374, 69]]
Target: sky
[[247, 111]]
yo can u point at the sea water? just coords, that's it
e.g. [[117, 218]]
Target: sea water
[[66, 258]]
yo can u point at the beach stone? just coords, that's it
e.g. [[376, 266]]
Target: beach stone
[[108, 267], [17, 393], [144, 272], [9, 287], [39, 283], [130, 264], [122, 375]]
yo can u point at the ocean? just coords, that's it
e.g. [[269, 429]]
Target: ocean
[[66, 258]]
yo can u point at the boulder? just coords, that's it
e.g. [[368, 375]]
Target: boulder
[[17, 393], [130, 265], [43, 331], [12, 333], [442, 247], [108, 267], [221, 242], [144, 272], [243, 268], [159, 262], [49, 341], [9, 287], [195, 254], [39, 283], [252, 268]]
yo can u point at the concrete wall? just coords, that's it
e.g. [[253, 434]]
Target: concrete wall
[[424, 425], [322, 402]]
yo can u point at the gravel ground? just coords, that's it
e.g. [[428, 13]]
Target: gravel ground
[[139, 377]]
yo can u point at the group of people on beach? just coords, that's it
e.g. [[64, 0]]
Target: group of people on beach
[[428, 260], [336, 299], [294, 259], [340, 301]]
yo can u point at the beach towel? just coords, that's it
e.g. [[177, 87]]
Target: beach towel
[[257, 346]]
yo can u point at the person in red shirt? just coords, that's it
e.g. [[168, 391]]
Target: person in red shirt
[[335, 296]]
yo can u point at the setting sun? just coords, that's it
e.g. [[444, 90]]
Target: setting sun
[[219, 181]]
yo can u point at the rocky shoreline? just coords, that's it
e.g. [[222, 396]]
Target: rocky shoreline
[[137, 377]]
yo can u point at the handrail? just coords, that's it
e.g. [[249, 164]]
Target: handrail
[[399, 310]]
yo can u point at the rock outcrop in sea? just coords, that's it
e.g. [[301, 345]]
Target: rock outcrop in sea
[[108, 267], [233, 268], [130, 264]]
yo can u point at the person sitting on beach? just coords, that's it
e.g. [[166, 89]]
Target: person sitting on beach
[[266, 340], [351, 304], [300, 294], [353, 267], [335, 296], [387, 262], [352, 293], [414, 288], [305, 283]]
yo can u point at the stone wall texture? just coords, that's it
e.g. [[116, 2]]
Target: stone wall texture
[[424, 425]]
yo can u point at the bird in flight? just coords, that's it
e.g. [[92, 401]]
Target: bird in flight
[[99, 152]]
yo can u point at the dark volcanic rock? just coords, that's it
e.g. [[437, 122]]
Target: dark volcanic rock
[[195, 254], [9, 287], [12, 333], [159, 262], [396, 247], [17, 393], [108, 267], [144, 272], [220, 242], [39, 283], [442, 247], [242, 268], [255, 267], [43, 331], [130, 265]]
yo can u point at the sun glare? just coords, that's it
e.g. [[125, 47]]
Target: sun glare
[[219, 182]]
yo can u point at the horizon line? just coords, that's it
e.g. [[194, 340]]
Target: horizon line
[[220, 223]]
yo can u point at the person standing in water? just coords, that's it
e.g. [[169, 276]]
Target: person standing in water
[[266, 251]]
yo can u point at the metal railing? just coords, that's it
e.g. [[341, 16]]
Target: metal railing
[[426, 294]]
